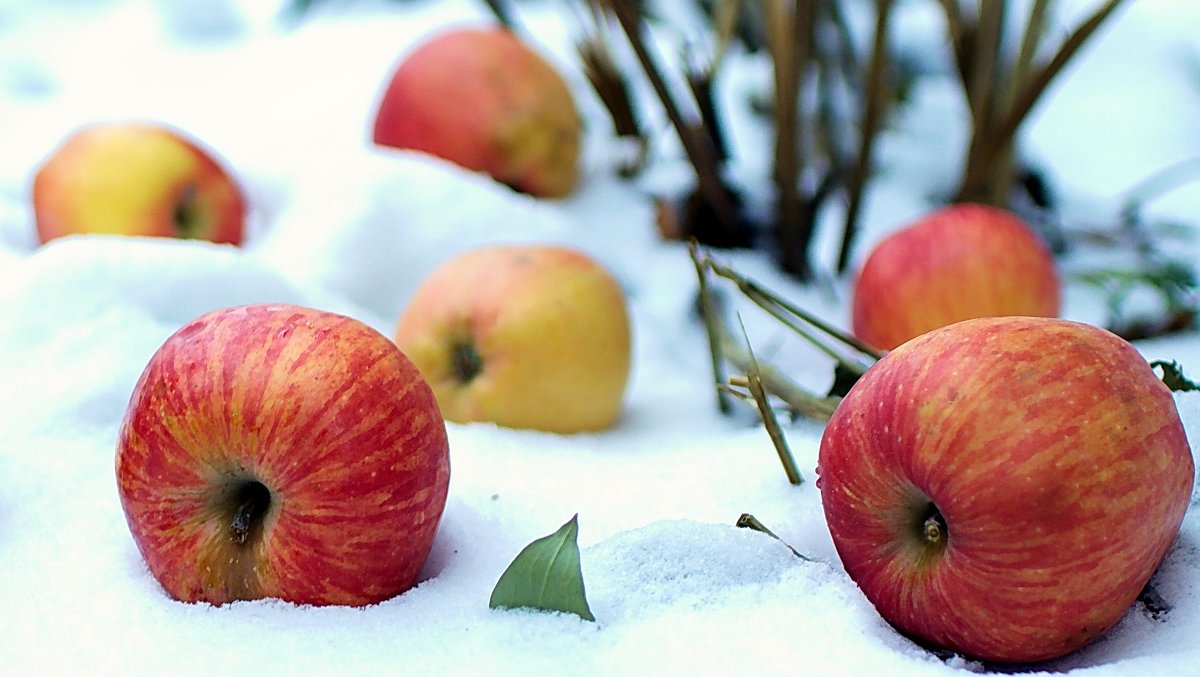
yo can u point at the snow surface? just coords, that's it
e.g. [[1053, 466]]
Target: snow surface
[[338, 225]]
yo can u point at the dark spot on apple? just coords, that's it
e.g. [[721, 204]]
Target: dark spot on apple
[[465, 361], [251, 499]]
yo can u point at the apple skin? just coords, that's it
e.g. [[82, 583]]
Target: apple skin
[[525, 336], [956, 263], [483, 100], [136, 179], [1047, 458], [320, 410]]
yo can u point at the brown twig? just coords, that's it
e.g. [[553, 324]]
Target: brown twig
[[802, 401], [709, 312], [750, 286], [789, 37], [504, 14], [877, 97], [996, 141], [754, 383], [748, 521], [696, 145]]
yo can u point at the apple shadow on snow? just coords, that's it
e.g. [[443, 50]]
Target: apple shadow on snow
[[455, 544], [441, 554]]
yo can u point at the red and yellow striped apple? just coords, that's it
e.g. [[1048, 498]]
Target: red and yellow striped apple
[[1005, 487], [956, 263], [482, 99], [279, 451], [136, 179], [525, 336]]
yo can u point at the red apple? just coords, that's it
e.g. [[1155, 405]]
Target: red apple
[[136, 179], [1005, 487], [278, 451], [957, 263], [482, 99], [525, 336]]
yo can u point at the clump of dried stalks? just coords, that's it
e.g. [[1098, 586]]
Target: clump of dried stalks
[[830, 100]]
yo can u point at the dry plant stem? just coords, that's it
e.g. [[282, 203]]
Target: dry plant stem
[[1161, 182], [696, 144], [997, 141], [848, 60], [749, 286], [778, 313], [985, 63], [754, 384], [982, 80], [956, 30], [504, 14], [748, 521], [839, 77], [875, 106], [725, 19], [612, 88], [709, 311], [700, 82], [723, 346], [789, 38], [1035, 29], [804, 403]]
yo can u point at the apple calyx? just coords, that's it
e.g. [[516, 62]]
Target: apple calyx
[[252, 499], [926, 534], [185, 218], [466, 361], [934, 527]]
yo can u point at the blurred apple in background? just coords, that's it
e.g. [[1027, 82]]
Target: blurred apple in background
[[959, 262], [1005, 487], [278, 451], [523, 336], [136, 179], [481, 98]]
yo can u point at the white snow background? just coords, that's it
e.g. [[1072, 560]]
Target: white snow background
[[676, 588]]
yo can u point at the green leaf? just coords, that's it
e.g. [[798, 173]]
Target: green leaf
[[546, 576], [1173, 376]]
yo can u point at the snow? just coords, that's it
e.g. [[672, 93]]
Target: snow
[[675, 587]]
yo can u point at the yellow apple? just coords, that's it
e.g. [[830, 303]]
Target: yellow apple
[[136, 179], [525, 336]]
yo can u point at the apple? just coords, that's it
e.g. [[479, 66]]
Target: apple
[[956, 263], [482, 99], [525, 336], [284, 452], [136, 179], [1005, 487]]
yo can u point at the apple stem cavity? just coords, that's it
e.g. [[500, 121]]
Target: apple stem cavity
[[466, 361], [253, 498]]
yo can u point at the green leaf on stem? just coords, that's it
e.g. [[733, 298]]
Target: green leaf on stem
[[546, 576], [1173, 376]]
